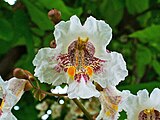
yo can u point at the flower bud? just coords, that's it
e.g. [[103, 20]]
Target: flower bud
[[28, 86], [53, 44], [54, 15], [20, 73]]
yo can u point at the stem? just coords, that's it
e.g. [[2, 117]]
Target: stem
[[76, 101], [45, 92]]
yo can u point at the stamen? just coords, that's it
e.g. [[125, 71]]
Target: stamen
[[79, 60]]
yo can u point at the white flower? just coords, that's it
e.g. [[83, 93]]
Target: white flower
[[80, 58], [111, 103], [10, 93], [143, 106]]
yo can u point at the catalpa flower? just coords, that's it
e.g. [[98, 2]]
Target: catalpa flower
[[143, 106], [111, 103], [80, 58], [10, 93]]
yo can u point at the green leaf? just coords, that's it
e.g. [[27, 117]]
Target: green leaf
[[136, 87], [137, 6], [156, 66], [143, 57], [5, 46], [23, 31], [37, 31], [38, 16], [6, 31], [112, 11], [59, 5], [150, 34]]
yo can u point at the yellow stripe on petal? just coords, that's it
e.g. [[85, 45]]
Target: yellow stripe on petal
[[71, 71], [2, 104], [115, 107], [108, 113]]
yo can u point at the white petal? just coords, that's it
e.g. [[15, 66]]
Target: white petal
[[45, 61], [131, 107], [67, 32], [155, 98], [7, 115], [82, 89], [143, 97], [12, 89], [2, 86], [135, 104], [99, 33], [10, 99], [16, 86], [114, 70]]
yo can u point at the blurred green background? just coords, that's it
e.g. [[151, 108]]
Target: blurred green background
[[25, 28]]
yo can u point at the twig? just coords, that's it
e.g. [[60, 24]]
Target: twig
[[76, 101], [45, 92]]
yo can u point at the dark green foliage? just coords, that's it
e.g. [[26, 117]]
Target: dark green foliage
[[136, 34]]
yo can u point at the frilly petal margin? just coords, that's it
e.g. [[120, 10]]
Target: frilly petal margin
[[114, 70], [155, 96], [45, 61], [141, 102], [82, 89], [67, 32], [98, 32]]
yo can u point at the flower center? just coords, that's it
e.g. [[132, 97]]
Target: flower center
[[80, 60], [149, 114]]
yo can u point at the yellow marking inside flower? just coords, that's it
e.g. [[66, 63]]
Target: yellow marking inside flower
[[108, 113], [89, 70], [71, 71], [2, 104], [149, 111], [115, 107]]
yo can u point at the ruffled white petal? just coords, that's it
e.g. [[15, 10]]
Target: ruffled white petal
[[16, 86], [98, 32], [12, 91], [114, 70], [82, 89], [67, 32], [45, 61], [155, 96], [135, 104]]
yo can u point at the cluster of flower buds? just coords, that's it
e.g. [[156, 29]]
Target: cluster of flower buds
[[24, 74]]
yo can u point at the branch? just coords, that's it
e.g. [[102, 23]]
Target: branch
[[76, 101], [10, 59], [45, 92]]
